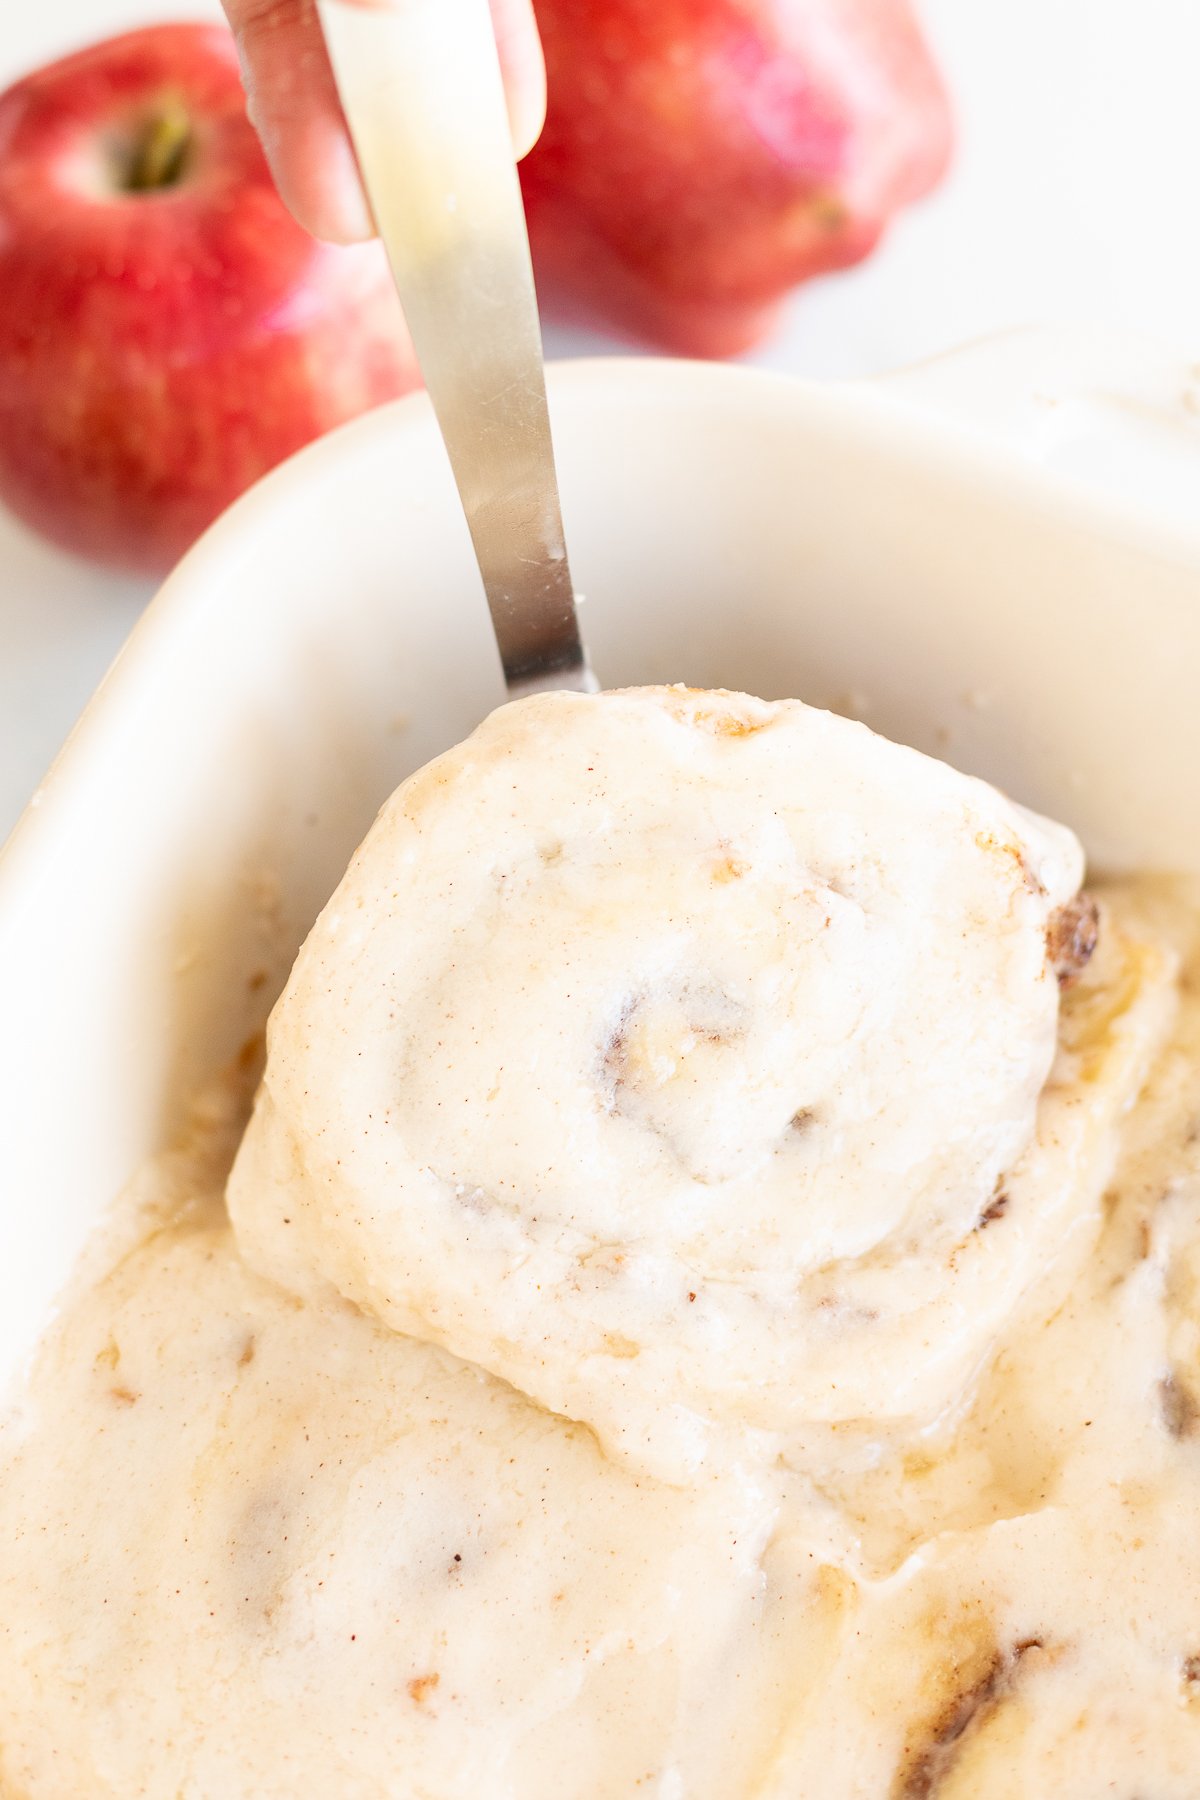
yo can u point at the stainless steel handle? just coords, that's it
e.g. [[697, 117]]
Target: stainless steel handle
[[421, 87]]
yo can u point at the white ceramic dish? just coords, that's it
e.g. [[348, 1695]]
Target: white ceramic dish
[[996, 557]]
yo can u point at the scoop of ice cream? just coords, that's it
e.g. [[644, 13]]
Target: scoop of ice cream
[[659, 1051], [261, 1549]]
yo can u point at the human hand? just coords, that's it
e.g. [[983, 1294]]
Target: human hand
[[294, 105]]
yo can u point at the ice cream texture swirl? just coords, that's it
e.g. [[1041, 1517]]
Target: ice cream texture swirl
[[668, 1053], [705, 1307]]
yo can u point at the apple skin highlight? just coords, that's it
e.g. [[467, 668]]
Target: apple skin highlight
[[168, 332]]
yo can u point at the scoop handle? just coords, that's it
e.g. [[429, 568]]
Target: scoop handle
[[421, 87]]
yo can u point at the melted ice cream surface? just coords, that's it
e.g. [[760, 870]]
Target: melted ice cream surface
[[701, 1317]]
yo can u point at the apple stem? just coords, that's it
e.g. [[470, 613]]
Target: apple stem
[[160, 152]]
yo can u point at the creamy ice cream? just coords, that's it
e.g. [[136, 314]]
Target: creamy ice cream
[[255, 1548], [664, 1052], [574, 1033]]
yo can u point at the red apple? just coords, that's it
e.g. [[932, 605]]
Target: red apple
[[167, 331], [700, 157]]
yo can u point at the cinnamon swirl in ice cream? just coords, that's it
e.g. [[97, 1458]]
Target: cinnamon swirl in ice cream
[[705, 1307], [666, 1054]]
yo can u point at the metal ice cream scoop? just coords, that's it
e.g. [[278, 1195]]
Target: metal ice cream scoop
[[421, 88]]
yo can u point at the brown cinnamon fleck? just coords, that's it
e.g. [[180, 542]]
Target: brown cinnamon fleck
[[1071, 938], [727, 724], [421, 1686], [995, 1209], [124, 1395], [720, 721], [990, 845], [730, 868], [927, 1766], [1180, 1412], [1189, 1675]]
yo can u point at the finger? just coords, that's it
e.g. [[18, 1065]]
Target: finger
[[293, 103], [523, 68]]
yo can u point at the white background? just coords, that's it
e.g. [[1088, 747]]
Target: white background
[[1074, 197]]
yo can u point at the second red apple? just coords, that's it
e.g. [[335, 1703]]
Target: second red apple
[[701, 157]]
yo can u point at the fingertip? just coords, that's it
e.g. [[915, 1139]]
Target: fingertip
[[314, 168], [526, 116], [524, 70], [330, 191], [293, 105]]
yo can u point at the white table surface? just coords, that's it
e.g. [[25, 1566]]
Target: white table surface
[[1072, 198]]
